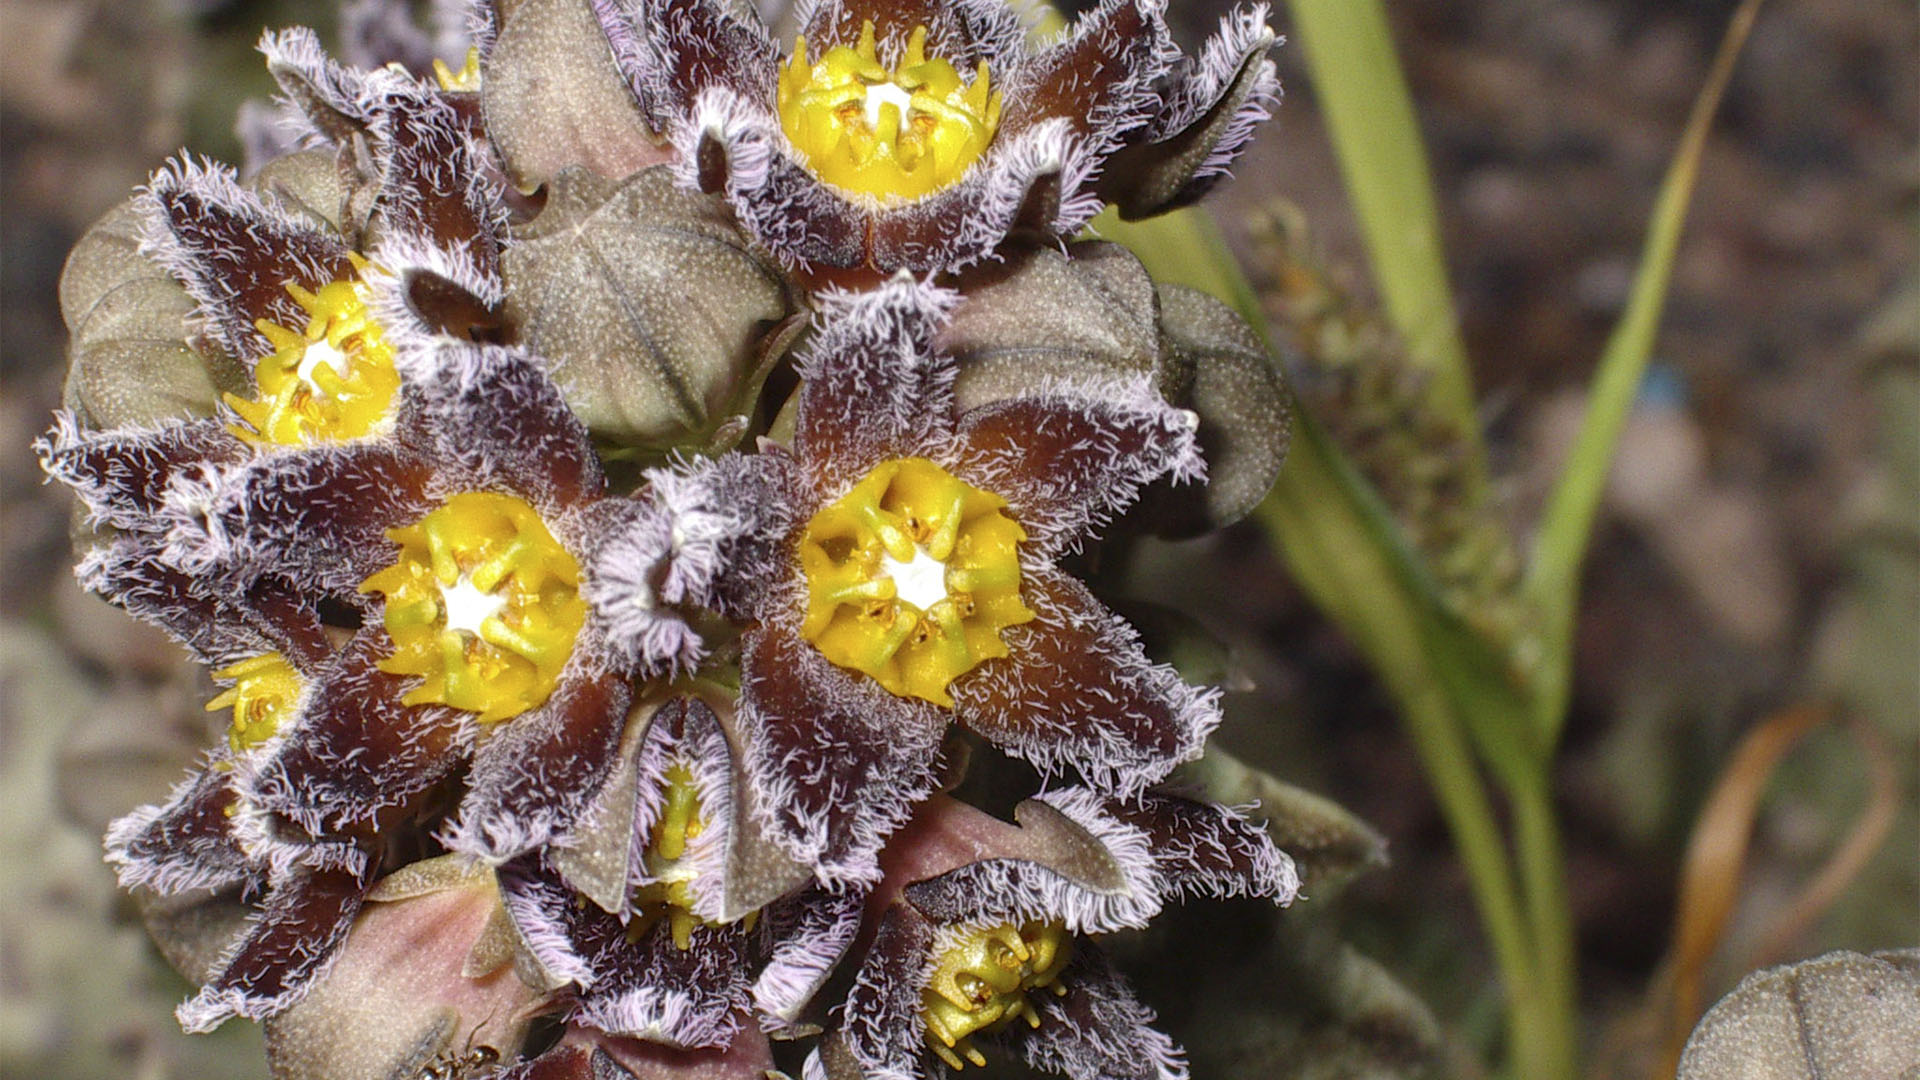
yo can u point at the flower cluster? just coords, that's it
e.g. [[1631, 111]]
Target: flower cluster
[[625, 488]]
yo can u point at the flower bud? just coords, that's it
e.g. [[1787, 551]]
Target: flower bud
[[553, 98], [651, 308], [423, 980]]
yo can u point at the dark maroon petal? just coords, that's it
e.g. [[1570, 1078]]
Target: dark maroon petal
[[185, 843], [777, 200], [644, 987], [316, 516], [290, 944], [1067, 461], [355, 755], [1097, 1030], [1031, 180], [562, 934], [874, 389], [537, 772], [496, 421], [672, 50], [1163, 847], [837, 762], [329, 95], [1076, 690], [1196, 848], [692, 998], [804, 938], [122, 475], [880, 1023], [434, 183], [1204, 120], [749, 1058], [130, 574], [291, 621], [236, 252], [1100, 78]]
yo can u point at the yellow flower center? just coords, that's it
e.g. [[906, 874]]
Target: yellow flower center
[[464, 81], [670, 895], [911, 577], [981, 984], [265, 691], [333, 382], [894, 135], [483, 604]]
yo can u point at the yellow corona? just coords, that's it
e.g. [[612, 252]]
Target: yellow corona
[[911, 578], [893, 135], [670, 895], [330, 382], [980, 983], [464, 81], [264, 694], [483, 604]]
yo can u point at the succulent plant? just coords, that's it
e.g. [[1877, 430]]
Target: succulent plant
[[620, 488]]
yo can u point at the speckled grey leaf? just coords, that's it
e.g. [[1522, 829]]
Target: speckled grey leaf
[[1046, 316], [193, 929], [398, 997], [1221, 371], [647, 303], [599, 847], [553, 98], [314, 185], [1839, 1015], [1329, 845], [128, 358]]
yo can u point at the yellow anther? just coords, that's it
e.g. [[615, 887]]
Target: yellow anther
[[911, 578], [332, 382], [669, 896], [893, 135], [483, 604], [464, 81], [980, 983], [264, 693]]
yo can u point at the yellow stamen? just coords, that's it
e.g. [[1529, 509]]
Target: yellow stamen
[[894, 135], [981, 984], [464, 81], [332, 382], [264, 693], [911, 578], [669, 896], [483, 604]]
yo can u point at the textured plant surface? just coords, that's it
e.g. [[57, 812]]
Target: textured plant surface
[[668, 503], [614, 526]]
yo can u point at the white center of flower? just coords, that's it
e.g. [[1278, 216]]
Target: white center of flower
[[317, 353], [467, 606], [883, 94], [922, 582]]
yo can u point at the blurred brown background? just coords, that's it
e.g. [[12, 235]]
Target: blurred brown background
[[1762, 548]]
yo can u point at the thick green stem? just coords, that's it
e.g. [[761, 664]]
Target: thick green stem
[[1550, 928]]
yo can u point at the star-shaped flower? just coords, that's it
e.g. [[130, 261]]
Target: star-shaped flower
[[920, 135], [899, 576], [447, 554], [666, 917], [985, 938]]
